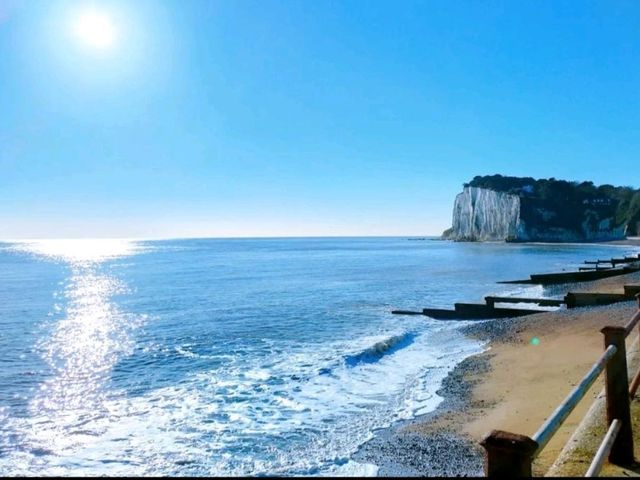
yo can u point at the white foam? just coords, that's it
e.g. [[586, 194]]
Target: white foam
[[355, 469], [308, 425]]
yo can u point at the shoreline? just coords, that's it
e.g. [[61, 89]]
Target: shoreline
[[625, 242], [403, 450], [500, 388]]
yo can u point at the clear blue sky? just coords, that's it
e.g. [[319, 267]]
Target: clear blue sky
[[263, 118]]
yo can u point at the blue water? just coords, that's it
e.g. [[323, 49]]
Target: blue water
[[233, 357]]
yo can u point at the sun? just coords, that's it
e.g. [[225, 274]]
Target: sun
[[95, 29]]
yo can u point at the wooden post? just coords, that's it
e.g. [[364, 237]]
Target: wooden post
[[570, 300], [617, 390], [508, 454]]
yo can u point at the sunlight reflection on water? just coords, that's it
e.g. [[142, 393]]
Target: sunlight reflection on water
[[87, 338], [80, 252]]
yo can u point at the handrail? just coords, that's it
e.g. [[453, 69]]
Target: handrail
[[632, 323], [553, 423], [634, 385], [604, 449]]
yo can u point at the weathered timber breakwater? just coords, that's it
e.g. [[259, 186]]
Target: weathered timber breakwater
[[572, 277], [489, 310]]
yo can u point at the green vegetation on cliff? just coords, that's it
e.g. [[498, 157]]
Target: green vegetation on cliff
[[569, 205]]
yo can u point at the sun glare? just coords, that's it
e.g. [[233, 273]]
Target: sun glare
[[81, 251], [95, 29]]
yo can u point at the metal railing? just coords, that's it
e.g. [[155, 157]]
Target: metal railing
[[509, 454], [604, 450]]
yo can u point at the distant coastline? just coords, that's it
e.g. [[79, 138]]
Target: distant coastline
[[523, 209]]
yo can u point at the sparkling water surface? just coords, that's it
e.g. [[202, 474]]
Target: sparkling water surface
[[233, 356]]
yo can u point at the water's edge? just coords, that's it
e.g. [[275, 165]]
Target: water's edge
[[406, 448]]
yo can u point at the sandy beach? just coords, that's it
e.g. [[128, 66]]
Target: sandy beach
[[526, 382], [529, 366]]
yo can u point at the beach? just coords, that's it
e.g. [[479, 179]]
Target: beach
[[267, 356], [529, 366], [311, 238]]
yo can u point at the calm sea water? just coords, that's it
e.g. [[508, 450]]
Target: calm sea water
[[233, 357]]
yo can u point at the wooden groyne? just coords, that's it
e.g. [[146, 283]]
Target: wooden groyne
[[543, 302], [488, 310], [588, 299], [406, 312], [475, 311], [631, 290], [573, 277], [478, 311], [615, 261]]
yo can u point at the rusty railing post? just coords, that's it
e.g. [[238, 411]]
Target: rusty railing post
[[508, 454], [617, 390]]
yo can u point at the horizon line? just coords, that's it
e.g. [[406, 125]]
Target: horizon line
[[248, 237]]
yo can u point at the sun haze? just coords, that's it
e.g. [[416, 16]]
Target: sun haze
[[95, 29]]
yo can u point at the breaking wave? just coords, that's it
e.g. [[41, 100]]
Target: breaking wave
[[380, 349]]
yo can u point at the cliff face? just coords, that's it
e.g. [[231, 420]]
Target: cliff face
[[481, 214]]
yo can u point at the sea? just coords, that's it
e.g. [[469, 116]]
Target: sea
[[227, 357]]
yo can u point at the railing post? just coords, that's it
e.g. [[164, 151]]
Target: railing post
[[617, 390], [508, 454]]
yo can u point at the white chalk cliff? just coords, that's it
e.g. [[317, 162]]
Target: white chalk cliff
[[480, 214]]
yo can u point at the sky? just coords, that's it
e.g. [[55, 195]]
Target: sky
[[302, 118]]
